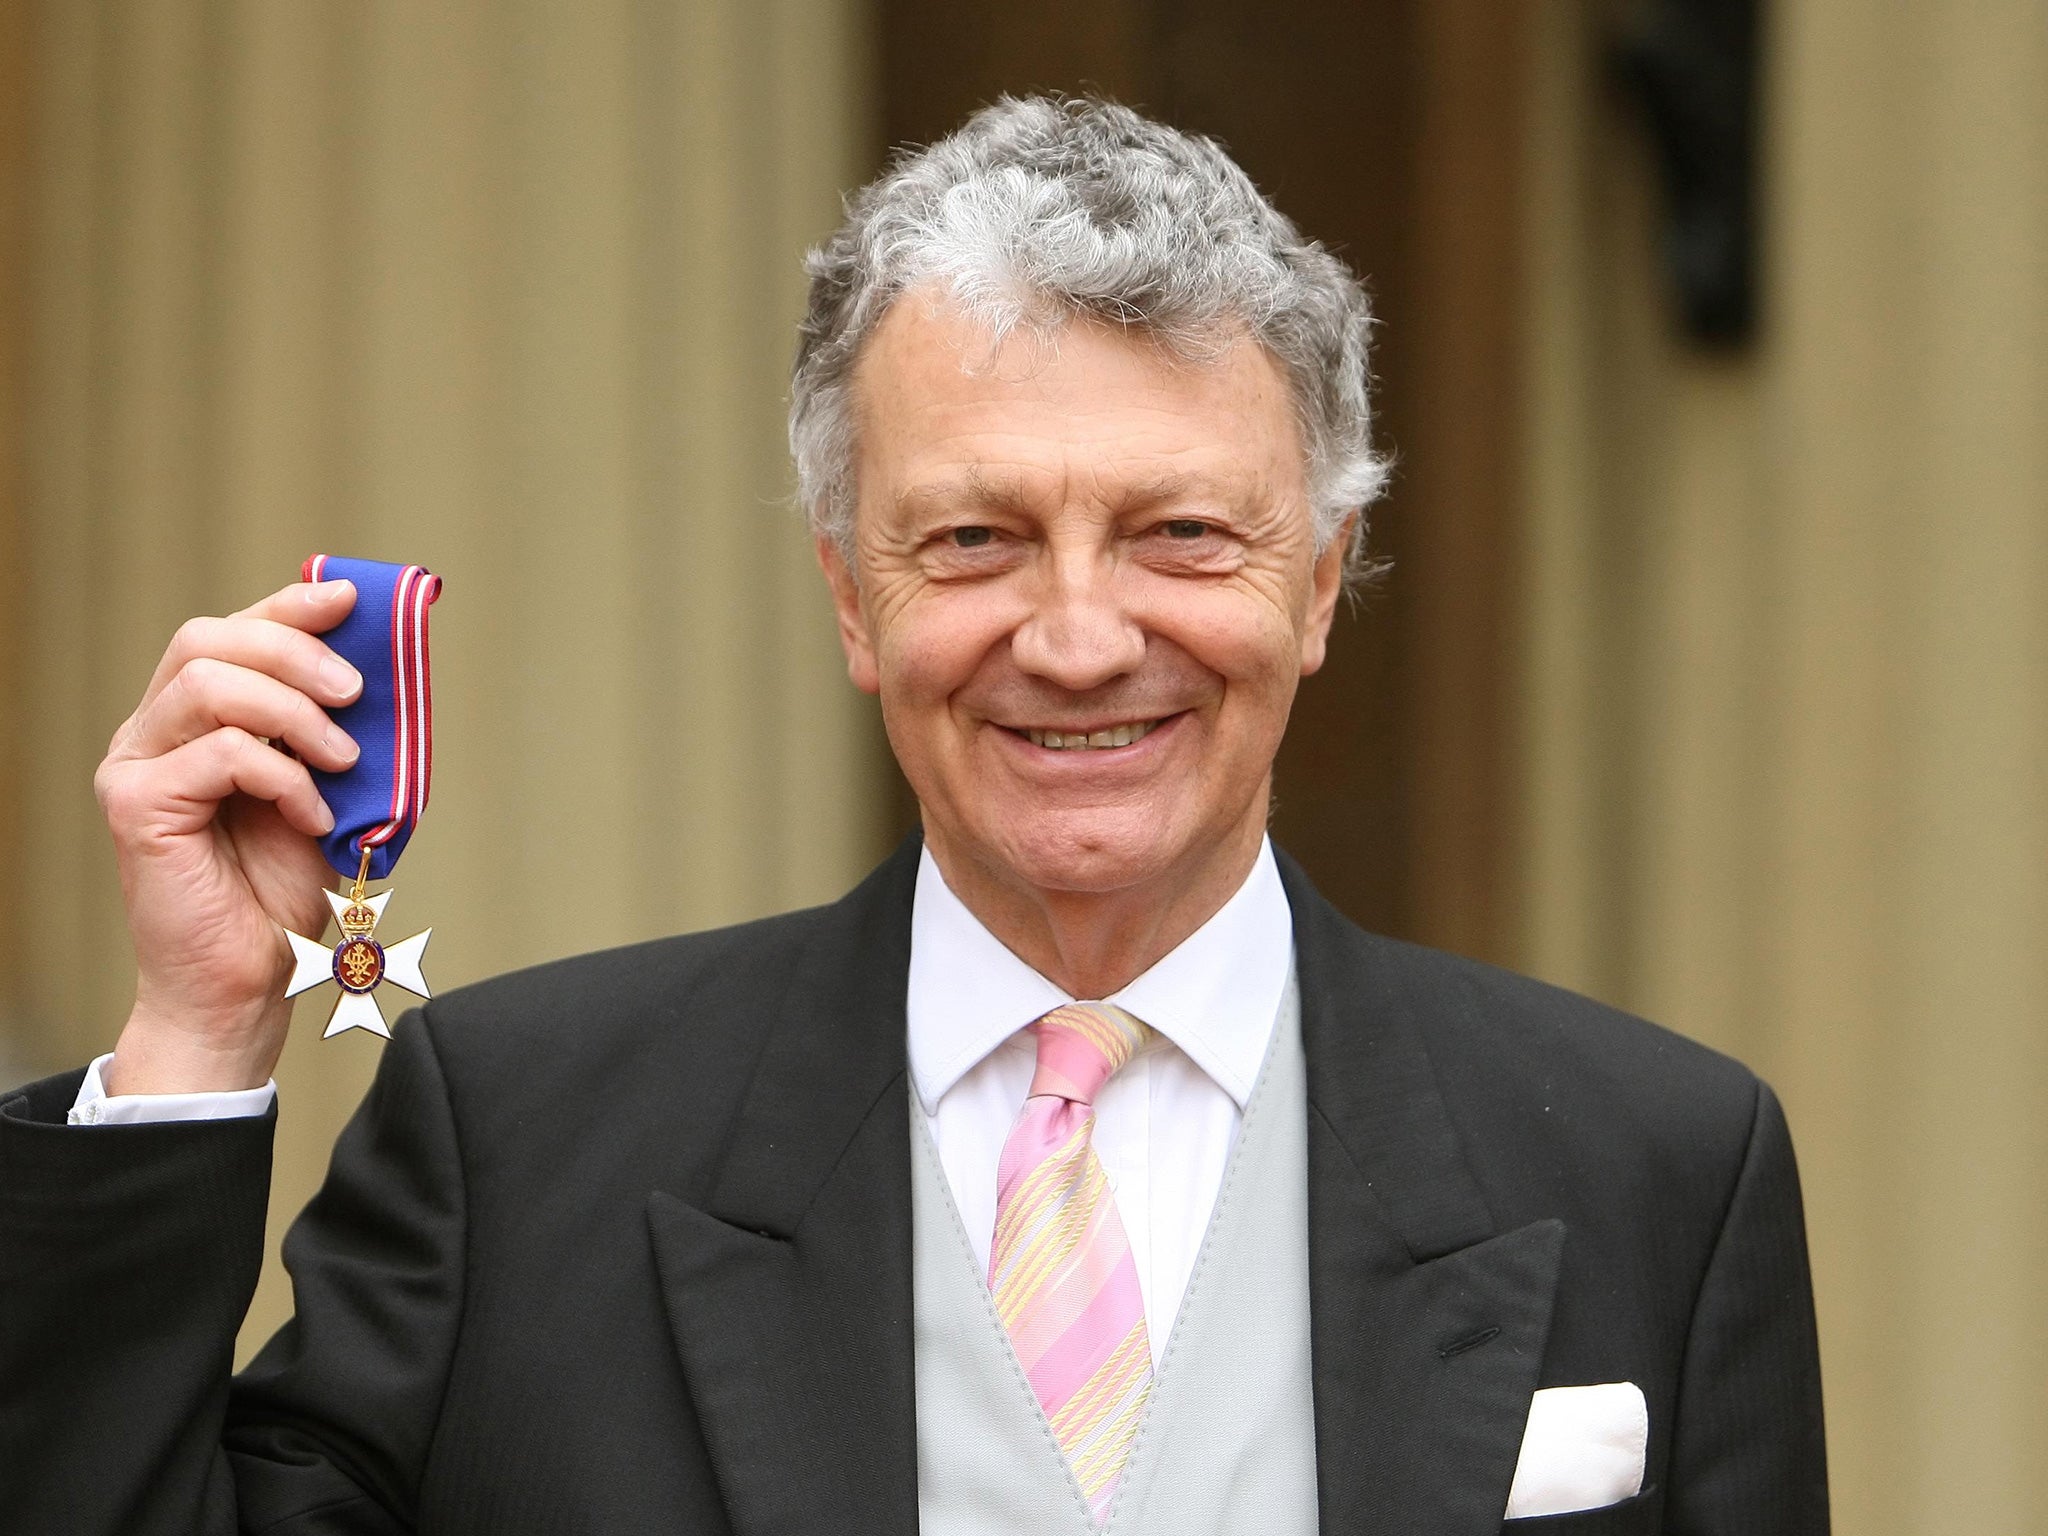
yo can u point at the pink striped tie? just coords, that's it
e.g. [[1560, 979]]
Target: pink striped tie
[[1060, 1267]]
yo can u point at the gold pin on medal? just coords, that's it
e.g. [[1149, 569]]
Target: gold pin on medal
[[358, 965]]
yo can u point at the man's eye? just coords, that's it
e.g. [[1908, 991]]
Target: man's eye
[[1186, 528], [972, 538]]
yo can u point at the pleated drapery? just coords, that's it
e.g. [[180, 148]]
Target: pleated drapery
[[506, 289]]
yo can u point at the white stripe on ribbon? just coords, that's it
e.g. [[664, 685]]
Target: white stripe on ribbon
[[413, 750]]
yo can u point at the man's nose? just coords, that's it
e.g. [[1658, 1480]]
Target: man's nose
[[1078, 634]]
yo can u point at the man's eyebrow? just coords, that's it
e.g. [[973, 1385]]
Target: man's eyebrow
[[1183, 485], [972, 487]]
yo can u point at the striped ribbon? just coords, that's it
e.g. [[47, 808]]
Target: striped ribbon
[[378, 801]]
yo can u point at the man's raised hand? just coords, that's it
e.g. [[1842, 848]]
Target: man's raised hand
[[216, 830]]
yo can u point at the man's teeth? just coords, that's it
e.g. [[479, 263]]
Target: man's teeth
[[1075, 741]]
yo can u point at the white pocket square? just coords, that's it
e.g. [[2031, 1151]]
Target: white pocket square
[[1584, 1449]]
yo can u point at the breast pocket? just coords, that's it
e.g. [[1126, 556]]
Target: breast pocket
[[1642, 1515]]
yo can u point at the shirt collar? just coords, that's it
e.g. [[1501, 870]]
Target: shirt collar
[[1215, 995]]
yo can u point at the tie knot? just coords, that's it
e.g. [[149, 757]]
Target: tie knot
[[1081, 1047]]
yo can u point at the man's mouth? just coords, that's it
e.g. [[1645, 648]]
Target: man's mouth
[[1081, 741]]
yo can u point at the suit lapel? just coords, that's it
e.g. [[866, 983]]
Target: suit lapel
[[789, 1289], [1427, 1324]]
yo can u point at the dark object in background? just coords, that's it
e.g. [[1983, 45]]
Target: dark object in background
[[1692, 66]]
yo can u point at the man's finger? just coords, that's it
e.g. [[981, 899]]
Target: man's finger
[[263, 644], [208, 693], [314, 606], [181, 791]]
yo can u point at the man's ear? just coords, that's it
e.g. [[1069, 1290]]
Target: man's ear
[[1326, 586], [861, 665]]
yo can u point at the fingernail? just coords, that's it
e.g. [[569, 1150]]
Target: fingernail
[[344, 680], [326, 818], [327, 589], [342, 744]]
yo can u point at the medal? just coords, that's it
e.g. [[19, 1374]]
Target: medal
[[377, 802], [358, 964]]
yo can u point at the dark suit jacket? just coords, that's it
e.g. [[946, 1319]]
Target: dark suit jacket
[[623, 1245]]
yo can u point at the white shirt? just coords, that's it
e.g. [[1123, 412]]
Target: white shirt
[[1164, 1126], [95, 1106]]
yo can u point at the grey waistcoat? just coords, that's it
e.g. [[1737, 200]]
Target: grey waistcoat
[[1227, 1444]]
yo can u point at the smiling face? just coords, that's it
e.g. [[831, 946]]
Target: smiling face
[[1087, 589]]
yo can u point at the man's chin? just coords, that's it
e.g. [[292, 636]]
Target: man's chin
[[1090, 855]]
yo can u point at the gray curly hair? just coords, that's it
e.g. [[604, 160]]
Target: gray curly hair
[[1044, 207]]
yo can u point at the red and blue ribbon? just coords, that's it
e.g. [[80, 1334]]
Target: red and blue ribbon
[[377, 802]]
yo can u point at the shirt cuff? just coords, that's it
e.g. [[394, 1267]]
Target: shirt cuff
[[94, 1106]]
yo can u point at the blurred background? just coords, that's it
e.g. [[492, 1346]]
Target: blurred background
[[1709, 678]]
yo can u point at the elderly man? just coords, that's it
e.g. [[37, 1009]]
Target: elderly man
[[1081, 1169]]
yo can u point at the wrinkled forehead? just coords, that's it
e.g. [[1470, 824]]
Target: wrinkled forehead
[[941, 398], [1021, 329]]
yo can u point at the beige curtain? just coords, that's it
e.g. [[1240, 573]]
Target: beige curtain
[[504, 288], [1787, 702], [13, 250]]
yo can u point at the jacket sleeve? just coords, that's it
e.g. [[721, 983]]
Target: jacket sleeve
[[127, 1258], [1749, 1455], [128, 1255]]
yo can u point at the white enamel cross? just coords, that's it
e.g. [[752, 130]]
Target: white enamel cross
[[358, 964]]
